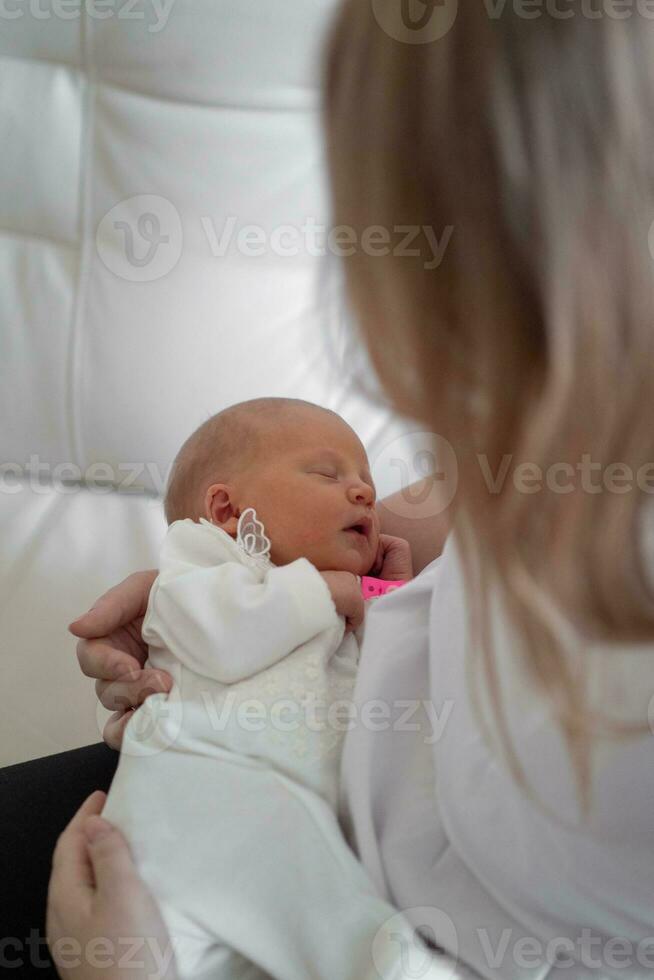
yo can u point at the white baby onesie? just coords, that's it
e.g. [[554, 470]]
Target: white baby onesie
[[227, 788]]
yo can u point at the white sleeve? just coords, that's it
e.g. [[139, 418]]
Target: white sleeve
[[224, 622]]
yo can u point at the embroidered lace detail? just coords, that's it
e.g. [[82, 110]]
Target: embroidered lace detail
[[251, 537], [302, 731]]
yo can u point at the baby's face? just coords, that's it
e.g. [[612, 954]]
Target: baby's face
[[315, 495]]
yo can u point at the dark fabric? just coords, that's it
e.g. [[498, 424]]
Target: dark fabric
[[37, 800]]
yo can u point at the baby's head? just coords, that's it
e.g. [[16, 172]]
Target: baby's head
[[301, 467]]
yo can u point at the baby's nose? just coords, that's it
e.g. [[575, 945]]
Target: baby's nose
[[361, 493]]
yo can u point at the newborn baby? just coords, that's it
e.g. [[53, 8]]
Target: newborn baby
[[227, 787]]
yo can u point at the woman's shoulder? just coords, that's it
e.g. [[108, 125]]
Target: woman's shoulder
[[618, 684]]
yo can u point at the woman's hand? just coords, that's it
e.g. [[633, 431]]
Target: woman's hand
[[112, 651], [101, 919], [393, 561]]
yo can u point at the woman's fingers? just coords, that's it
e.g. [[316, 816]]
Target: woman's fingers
[[113, 868], [117, 607], [102, 661], [124, 694], [72, 880], [113, 668], [115, 729], [93, 804]]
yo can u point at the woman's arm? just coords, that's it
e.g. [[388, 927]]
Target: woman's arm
[[422, 515]]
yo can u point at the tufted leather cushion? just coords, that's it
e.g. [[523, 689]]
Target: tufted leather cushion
[[133, 145]]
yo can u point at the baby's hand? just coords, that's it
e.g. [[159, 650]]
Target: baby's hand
[[393, 561], [346, 593]]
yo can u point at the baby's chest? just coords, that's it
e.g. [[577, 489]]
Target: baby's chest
[[320, 669]]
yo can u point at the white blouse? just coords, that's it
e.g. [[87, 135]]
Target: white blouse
[[515, 887]]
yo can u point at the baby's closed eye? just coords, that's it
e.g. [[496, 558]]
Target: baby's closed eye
[[330, 474]]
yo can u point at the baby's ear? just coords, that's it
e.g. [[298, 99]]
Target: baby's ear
[[219, 509]]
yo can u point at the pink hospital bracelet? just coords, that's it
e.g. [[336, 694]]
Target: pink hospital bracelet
[[371, 587]]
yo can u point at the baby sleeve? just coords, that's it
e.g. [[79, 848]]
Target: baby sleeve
[[228, 621]]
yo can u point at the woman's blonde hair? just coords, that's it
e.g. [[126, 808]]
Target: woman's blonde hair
[[533, 340]]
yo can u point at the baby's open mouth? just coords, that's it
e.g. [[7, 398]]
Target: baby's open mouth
[[361, 528]]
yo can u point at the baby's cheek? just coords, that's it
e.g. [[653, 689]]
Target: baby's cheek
[[312, 544]]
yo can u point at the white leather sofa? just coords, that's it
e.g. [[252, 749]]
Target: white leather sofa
[[139, 141]]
